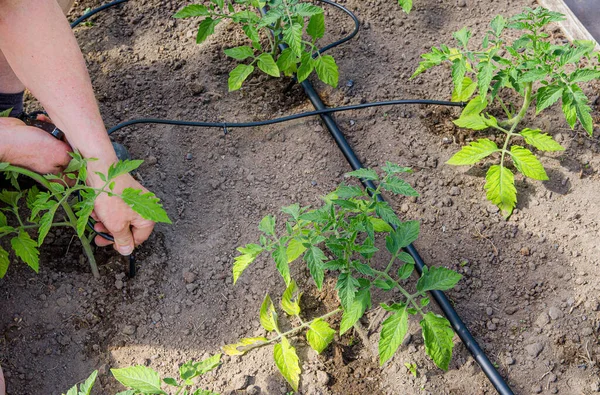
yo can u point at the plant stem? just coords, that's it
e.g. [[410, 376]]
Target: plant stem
[[518, 118], [87, 248]]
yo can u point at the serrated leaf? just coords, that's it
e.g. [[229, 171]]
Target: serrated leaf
[[484, 77], [191, 11], [365, 174], [385, 212], [307, 10], [347, 286], [240, 53], [541, 141], [286, 361], [267, 225], [45, 224], [465, 90], [72, 390], [500, 187], [26, 249], [393, 331], [243, 345], [347, 192], [405, 257], [393, 168], [459, 68], [5, 113], [268, 65], [405, 271], [474, 122], [268, 316], [248, 254], [238, 75], [281, 262], [147, 205], [498, 24], [307, 65], [290, 301], [527, 163], [292, 36], [533, 75], [406, 233], [252, 34], [86, 387], [399, 186], [462, 36], [139, 378], [473, 153], [438, 334], [352, 313], [380, 225], [205, 29], [327, 70], [4, 262], [295, 248], [316, 26], [437, 279], [287, 60], [474, 107], [314, 258], [191, 369], [547, 96], [584, 75], [320, 335]]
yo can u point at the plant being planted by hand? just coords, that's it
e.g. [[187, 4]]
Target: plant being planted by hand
[[141, 379], [537, 71], [298, 25], [70, 193], [345, 228]]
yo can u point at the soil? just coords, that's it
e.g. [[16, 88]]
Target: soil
[[530, 292]]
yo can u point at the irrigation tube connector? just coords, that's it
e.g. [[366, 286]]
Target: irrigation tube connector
[[324, 112]]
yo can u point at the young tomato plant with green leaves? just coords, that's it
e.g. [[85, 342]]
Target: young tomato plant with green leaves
[[70, 193], [141, 379], [298, 25], [339, 238], [534, 68]]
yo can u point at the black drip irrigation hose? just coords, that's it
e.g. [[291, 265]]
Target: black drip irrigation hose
[[325, 113]]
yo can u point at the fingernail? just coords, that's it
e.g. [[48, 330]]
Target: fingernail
[[125, 250]]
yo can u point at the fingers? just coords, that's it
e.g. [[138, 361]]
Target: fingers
[[123, 240], [99, 240], [142, 231]]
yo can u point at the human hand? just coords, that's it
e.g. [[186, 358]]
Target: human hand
[[113, 216], [32, 148]]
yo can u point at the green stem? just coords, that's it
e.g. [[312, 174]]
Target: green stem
[[87, 248], [518, 118], [54, 224], [409, 298]]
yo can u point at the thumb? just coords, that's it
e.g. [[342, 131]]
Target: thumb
[[124, 241]]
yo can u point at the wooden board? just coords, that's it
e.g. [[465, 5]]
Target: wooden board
[[573, 28]]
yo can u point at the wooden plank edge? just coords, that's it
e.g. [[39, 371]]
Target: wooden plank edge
[[572, 26]]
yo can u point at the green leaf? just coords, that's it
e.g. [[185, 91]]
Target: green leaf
[[281, 262], [295, 248], [459, 68], [72, 390], [405, 271], [84, 210], [206, 28], [547, 96], [287, 60], [249, 253], [474, 107], [352, 313], [191, 11], [500, 187], [527, 163], [327, 70], [438, 335], [244, 345], [347, 286], [139, 378], [320, 335], [290, 301], [473, 153], [464, 91], [541, 141], [484, 77], [45, 224], [267, 225], [393, 331], [307, 10], [474, 122], [462, 36], [307, 65], [86, 387], [268, 65], [252, 34], [240, 53], [406, 5], [406, 233], [364, 174], [147, 205], [268, 316], [405, 257], [584, 75], [316, 26], [292, 36], [26, 249], [4, 262], [347, 192], [533, 75], [287, 362], [385, 212], [393, 168], [6, 113], [238, 75], [437, 278], [498, 24], [171, 381], [191, 369], [314, 258], [399, 186], [380, 225]]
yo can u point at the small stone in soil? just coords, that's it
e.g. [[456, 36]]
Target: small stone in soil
[[129, 329], [240, 382], [534, 349], [322, 378], [253, 390], [119, 284], [555, 313], [188, 156]]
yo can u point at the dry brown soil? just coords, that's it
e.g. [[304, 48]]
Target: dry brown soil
[[530, 292]]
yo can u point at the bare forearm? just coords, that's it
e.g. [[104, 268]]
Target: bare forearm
[[38, 43]]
